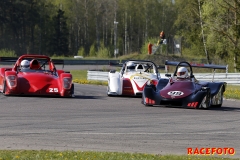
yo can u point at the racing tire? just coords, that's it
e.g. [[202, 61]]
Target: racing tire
[[219, 105], [109, 95], [4, 87], [206, 102], [72, 91]]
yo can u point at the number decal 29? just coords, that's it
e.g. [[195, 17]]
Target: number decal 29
[[53, 89]]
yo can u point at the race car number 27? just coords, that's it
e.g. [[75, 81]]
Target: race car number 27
[[53, 89]]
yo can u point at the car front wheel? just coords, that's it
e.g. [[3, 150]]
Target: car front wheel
[[206, 102]]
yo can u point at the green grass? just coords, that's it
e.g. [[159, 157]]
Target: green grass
[[79, 74], [232, 92], [88, 155]]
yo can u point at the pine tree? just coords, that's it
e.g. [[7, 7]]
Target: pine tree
[[60, 35]]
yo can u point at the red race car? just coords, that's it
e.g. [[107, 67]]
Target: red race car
[[35, 75]]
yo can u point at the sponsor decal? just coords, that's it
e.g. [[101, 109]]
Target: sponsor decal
[[175, 93], [140, 78], [197, 64], [211, 151], [140, 88]]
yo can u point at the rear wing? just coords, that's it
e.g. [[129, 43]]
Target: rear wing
[[197, 65]]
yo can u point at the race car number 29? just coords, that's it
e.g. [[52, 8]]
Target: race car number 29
[[175, 93], [53, 89]]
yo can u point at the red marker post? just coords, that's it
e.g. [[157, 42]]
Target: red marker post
[[149, 48]]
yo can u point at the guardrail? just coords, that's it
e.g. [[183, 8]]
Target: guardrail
[[97, 75], [76, 62], [230, 78]]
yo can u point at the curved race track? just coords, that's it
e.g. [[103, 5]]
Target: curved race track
[[94, 121]]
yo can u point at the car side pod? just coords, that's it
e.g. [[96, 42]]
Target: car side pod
[[201, 99], [67, 89], [148, 95], [10, 83]]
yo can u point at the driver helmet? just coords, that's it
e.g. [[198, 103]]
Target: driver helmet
[[131, 66], [25, 64], [182, 72]]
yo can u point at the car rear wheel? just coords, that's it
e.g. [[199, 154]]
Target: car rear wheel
[[217, 106], [220, 100]]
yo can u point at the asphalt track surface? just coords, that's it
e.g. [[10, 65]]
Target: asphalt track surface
[[92, 121]]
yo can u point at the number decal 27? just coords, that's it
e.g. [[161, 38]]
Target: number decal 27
[[53, 89]]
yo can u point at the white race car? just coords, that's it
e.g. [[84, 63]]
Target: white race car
[[132, 78]]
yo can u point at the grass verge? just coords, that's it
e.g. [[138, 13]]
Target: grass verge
[[88, 155], [232, 92]]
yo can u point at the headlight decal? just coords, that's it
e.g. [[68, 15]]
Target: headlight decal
[[67, 83], [12, 81]]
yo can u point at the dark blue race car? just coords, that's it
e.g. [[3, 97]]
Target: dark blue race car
[[185, 92]]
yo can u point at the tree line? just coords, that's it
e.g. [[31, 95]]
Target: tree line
[[100, 28]]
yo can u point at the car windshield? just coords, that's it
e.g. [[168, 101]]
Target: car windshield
[[34, 65], [34, 70], [131, 67], [141, 66]]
